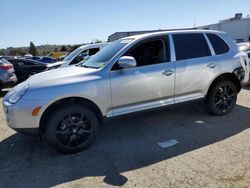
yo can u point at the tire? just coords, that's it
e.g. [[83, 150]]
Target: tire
[[71, 129], [221, 98]]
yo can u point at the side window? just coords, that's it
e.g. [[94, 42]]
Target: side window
[[188, 46], [93, 51], [84, 54], [219, 45], [80, 57], [148, 53]]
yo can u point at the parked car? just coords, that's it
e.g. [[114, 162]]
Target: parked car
[[7, 74], [137, 73], [34, 57], [24, 68], [248, 54], [79, 55], [43, 59], [245, 47], [56, 55], [61, 58], [47, 60]]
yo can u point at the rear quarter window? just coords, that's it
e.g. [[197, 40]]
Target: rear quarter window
[[219, 45]]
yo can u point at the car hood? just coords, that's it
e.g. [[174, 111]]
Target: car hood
[[62, 76]]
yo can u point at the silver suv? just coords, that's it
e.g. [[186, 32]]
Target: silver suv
[[66, 106]]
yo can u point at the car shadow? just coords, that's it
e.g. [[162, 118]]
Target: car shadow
[[247, 87], [123, 144]]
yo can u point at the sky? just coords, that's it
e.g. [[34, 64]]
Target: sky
[[81, 21]]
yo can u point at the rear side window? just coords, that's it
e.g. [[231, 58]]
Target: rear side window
[[188, 46], [219, 45]]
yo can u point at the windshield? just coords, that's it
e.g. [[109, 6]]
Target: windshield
[[72, 55], [100, 59]]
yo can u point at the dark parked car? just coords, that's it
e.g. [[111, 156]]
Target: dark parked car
[[34, 58], [43, 59], [47, 60], [24, 68]]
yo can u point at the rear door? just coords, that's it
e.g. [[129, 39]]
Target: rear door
[[195, 66]]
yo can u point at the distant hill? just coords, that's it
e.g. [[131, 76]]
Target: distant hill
[[43, 50]]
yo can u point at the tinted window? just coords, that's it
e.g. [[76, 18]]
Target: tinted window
[[188, 46], [219, 45], [93, 51], [28, 62], [148, 53]]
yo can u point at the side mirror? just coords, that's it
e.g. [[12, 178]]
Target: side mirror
[[127, 62]]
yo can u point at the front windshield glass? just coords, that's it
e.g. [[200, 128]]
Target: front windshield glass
[[100, 59], [72, 55]]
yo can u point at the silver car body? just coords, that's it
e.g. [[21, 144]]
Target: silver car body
[[7, 76], [125, 91], [69, 58]]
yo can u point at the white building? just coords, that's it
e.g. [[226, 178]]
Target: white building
[[237, 28]]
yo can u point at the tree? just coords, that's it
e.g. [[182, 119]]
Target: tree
[[63, 49], [2, 52], [98, 41], [74, 47], [32, 49], [17, 52]]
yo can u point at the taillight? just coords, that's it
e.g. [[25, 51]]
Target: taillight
[[6, 67]]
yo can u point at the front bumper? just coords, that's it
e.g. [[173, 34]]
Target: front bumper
[[19, 116]]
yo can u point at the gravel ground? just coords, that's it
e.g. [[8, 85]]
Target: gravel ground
[[212, 152]]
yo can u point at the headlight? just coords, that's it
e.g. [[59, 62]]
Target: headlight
[[16, 95]]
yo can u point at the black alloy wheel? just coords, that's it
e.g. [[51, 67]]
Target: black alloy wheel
[[221, 98], [71, 129], [224, 98], [74, 130]]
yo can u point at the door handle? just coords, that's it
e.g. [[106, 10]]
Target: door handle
[[211, 66], [168, 72]]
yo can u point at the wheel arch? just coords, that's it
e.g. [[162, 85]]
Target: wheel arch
[[226, 76], [66, 101]]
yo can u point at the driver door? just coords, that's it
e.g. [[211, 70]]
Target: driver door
[[149, 84]]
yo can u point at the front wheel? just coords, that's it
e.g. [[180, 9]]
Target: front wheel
[[71, 129], [221, 98]]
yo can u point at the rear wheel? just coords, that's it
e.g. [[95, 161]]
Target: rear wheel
[[221, 98], [71, 129]]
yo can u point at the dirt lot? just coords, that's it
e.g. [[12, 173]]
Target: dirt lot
[[212, 152]]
